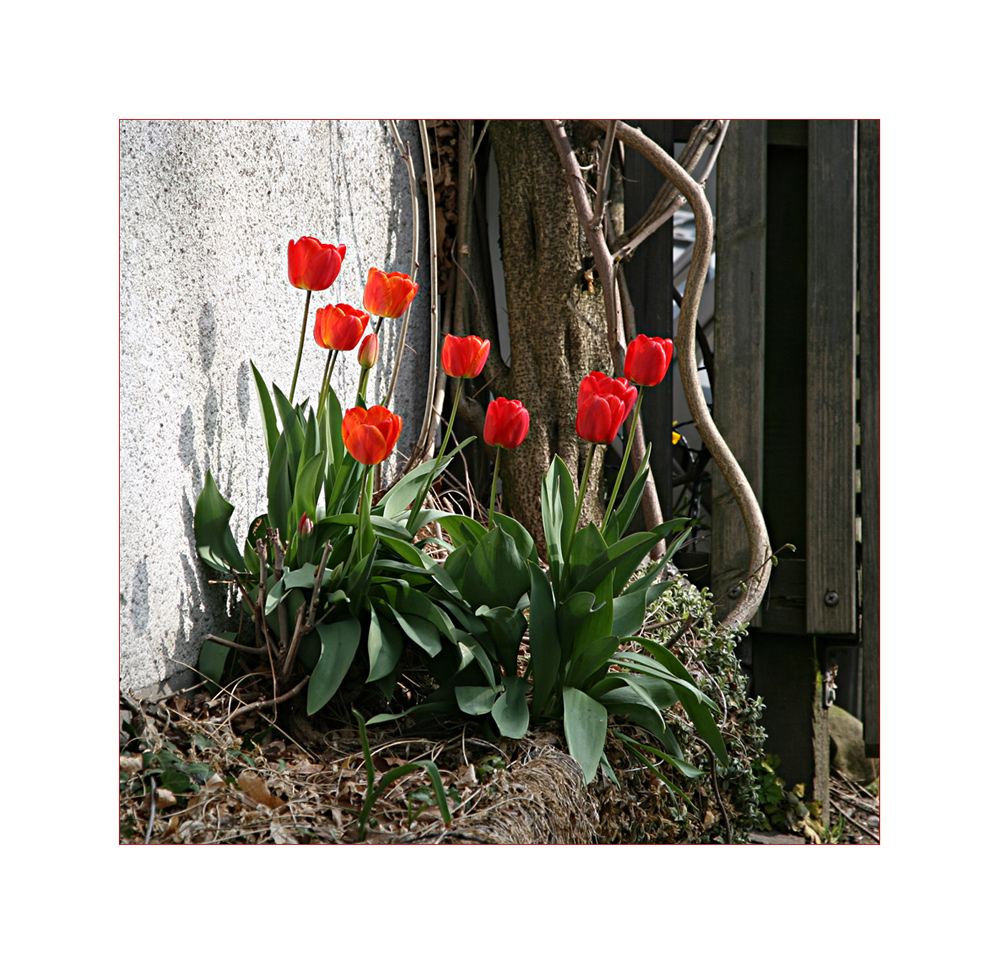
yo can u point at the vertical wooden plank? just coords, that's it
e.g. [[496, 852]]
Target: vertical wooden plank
[[831, 570], [868, 366], [738, 406], [784, 505], [650, 276]]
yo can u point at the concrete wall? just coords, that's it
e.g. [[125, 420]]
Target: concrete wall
[[207, 210]]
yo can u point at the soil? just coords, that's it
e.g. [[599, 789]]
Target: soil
[[189, 776]]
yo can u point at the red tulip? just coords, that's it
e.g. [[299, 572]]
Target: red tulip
[[370, 435], [464, 356], [388, 294], [313, 264], [339, 327], [368, 354], [602, 404], [305, 525], [648, 359], [506, 423]]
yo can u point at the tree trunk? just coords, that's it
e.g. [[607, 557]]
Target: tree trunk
[[557, 326]]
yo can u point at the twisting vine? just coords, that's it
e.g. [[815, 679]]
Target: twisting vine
[[684, 187]]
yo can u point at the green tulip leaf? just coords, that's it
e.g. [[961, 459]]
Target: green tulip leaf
[[546, 653], [585, 722], [420, 631], [626, 688], [279, 486], [330, 423], [289, 418], [308, 482], [570, 615], [339, 645], [599, 622], [697, 705], [385, 646], [510, 711], [213, 657], [640, 714], [522, 537], [621, 517], [475, 700], [216, 545], [590, 659], [463, 531], [496, 574], [275, 594], [558, 503], [267, 416], [587, 547], [506, 627], [622, 558]]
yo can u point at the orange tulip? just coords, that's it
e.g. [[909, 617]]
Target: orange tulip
[[648, 359], [339, 327], [388, 294], [370, 435], [312, 264], [464, 356]]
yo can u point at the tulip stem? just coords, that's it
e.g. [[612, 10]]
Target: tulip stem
[[418, 504], [358, 550], [621, 470], [579, 501], [324, 387], [493, 490], [302, 343]]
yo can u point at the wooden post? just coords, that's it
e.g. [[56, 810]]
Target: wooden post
[[868, 366], [831, 560], [738, 405]]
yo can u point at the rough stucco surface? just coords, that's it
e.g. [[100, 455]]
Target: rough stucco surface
[[207, 210]]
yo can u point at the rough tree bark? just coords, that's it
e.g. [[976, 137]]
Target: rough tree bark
[[557, 330]]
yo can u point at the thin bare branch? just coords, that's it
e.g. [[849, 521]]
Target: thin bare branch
[[668, 199], [273, 702], [432, 366], [256, 650], [604, 174]]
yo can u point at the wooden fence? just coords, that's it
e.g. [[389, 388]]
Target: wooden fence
[[796, 348]]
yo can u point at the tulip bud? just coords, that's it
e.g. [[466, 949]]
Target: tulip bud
[[305, 526], [368, 354]]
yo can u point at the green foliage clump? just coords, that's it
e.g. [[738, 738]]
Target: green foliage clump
[[692, 813]]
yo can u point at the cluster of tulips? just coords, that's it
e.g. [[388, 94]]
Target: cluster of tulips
[[370, 434], [339, 586]]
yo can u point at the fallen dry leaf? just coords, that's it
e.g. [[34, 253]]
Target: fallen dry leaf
[[130, 765], [281, 835], [255, 788]]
